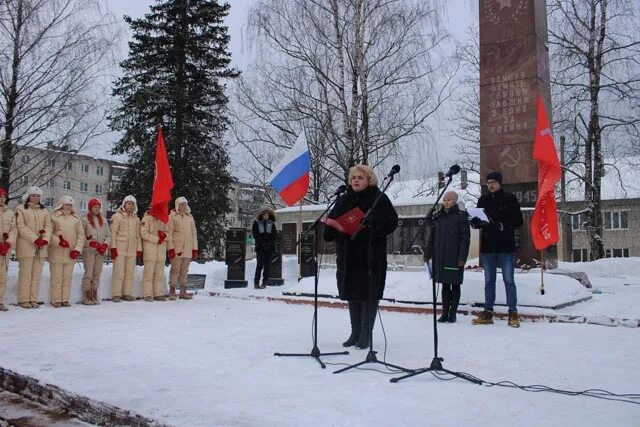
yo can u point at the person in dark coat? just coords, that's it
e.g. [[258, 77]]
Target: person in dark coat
[[448, 246], [264, 234], [498, 247], [363, 260]]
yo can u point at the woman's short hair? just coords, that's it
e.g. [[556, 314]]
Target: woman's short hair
[[367, 171]]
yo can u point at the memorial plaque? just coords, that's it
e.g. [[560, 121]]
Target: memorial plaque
[[307, 255], [195, 281], [288, 234], [275, 271], [235, 253], [514, 70]]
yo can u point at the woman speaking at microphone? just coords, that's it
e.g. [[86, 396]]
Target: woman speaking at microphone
[[357, 268]]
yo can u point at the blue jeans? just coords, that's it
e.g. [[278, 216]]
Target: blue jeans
[[490, 262]]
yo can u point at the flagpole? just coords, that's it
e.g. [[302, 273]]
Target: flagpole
[[300, 231], [541, 271]]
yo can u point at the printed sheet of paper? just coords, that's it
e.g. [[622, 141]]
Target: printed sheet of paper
[[479, 213], [427, 269]]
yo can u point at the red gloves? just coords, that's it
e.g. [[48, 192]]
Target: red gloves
[[94, 244], [171, 253], [194, 254], [74, 254], [102, 249], [40, 242], [139, 254], [114, 253], [162, 235], [4, 248], [63, 243]]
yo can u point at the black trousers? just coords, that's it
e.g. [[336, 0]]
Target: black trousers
[[263, 266], [450, 298]]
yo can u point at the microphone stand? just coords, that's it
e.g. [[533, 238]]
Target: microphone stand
[[369, 219], [436, 362], [315, 351]]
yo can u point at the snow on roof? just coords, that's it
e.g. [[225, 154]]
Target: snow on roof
[[621, 181], [415, 192]]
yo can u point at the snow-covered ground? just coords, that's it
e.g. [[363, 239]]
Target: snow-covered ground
[[209, 361]]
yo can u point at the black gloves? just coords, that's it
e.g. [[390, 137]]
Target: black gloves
[[478, 223], [489, 226]]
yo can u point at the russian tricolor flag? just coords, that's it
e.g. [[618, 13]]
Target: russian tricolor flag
[[291, 177]]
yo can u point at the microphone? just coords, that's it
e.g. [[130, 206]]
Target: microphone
[[452, 171], [340, 190], [394, 170]]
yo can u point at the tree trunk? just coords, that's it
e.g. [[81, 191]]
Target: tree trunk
[[364, 134], [12, 98]]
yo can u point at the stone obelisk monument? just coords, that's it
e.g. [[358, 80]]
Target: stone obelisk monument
[[514, 69]]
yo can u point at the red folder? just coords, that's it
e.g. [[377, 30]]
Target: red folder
[[346, 223]]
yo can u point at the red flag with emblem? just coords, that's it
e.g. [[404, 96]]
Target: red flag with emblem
[[544, 223], [162, 182]]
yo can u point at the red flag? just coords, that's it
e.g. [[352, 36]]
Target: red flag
[[162, 182], [544, 224]]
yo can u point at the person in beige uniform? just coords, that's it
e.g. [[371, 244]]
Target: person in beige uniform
[[154, 252], [96, 244], [8, 235], [182, 245], [125, 247], [64, 249], [34, 233]]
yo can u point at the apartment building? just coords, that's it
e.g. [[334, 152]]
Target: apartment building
[[62, 172], [246, 201]]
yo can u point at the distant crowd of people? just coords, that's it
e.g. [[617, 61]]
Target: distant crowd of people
[[61, 237]]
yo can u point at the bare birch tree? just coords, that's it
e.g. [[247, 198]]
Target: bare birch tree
[[595, 46], [358, 76], [466, 119], [54, 59]]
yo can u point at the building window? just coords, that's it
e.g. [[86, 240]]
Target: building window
[[85, 168], [68, 166], [84, 187], [83, 205], [24, 180], [578, 221], [66, 185], [51, 163], [616, 253], [615, 220], [51, 183], [98, 189], [48, 202], [26, 159], [100, 170], [580, 255]]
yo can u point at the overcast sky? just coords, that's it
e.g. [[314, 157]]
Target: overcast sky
[[236, 21], [459, 15]]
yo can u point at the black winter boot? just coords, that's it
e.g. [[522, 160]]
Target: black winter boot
[[446, 303], [368, 321], [355, 315], [455, 300]]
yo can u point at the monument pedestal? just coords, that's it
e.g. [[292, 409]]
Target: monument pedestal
[[229, 284], [275, 271], [235, 255]]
